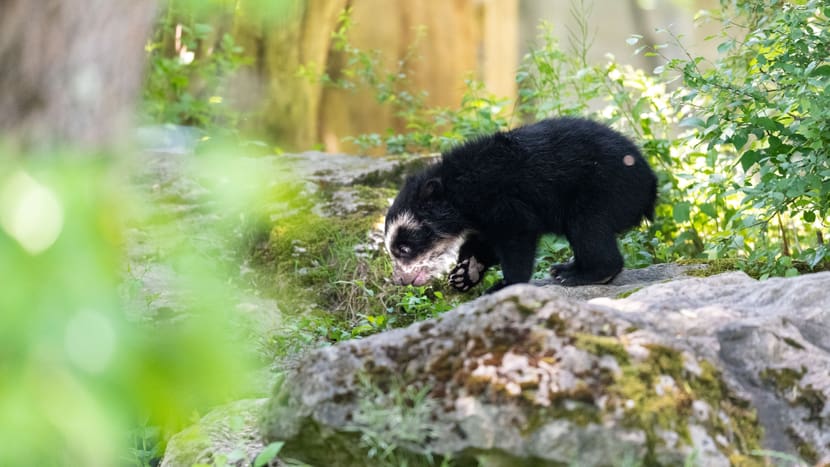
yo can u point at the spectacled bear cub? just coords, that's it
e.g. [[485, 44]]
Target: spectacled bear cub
[[496, 195]]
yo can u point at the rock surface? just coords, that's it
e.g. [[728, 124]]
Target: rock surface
[[626, 282], [229, 433], [696, 366]]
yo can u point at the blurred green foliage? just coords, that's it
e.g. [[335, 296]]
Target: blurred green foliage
[[77, 373], [190, 62]]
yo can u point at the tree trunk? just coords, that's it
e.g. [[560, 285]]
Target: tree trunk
[[301, 35], [462, 39], [71, 70]]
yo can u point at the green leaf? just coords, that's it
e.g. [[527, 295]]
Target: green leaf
[[823, 70], [809, 216], [817, 257], [724, 47], [791, 272], [363, 328], [749, 158], [709, 209], [268, 454], [691, 122], [681, 211], [767, 123], [633, 39], [738, 140]]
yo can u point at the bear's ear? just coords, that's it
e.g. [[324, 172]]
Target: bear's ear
[[431, 189]]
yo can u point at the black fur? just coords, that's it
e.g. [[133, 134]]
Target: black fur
[[566, 176]]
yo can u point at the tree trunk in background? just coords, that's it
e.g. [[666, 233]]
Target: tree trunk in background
[[463, 39], [302, 36], [70, 70]]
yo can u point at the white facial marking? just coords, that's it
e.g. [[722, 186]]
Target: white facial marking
[[433, 262], [405, 219]]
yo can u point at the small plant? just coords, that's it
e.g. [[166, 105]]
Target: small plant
[[188, 71], [400, 417], [428, 129], [147, 446], [268, 454], [421, 302]]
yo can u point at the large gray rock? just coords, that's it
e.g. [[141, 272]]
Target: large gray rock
[[771, 338], [625, 283], [707, 367]]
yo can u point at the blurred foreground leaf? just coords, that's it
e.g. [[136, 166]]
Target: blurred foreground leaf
[[75, 373]]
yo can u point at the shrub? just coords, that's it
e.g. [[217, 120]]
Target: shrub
[[189, 63]]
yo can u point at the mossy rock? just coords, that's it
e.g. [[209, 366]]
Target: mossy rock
[[564, 383]]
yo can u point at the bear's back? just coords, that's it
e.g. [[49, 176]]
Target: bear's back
[[554, 169]]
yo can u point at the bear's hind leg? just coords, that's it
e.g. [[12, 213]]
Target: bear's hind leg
[[560, 268], [597, 258]]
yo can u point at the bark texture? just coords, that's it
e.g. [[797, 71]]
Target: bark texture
[[71, 70]]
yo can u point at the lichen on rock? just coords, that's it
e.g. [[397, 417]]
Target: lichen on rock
[[532, 386]]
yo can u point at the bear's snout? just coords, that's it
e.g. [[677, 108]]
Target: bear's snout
[[416, 277]]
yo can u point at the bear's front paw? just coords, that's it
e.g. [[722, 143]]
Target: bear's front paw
[[466, 274]]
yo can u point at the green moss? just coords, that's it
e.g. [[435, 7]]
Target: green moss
[[786, 382], [753, 269], [318, 445], [556, 323], [651, 410], [628, 293], [713, 266], [806, 450], [602, 345], [333, 264], [392, 179], [783, 380], [326, 273], [580, 413], [525, 308], [333, 273]]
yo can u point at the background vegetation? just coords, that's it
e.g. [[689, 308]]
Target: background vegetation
[[739, 141], [90, 377]]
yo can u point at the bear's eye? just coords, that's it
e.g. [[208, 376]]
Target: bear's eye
[[404, 250]]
